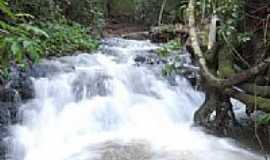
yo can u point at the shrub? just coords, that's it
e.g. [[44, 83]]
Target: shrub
[[66, 38], [26, 42], [85, 12]]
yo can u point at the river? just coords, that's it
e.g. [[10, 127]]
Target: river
[[107, 107]]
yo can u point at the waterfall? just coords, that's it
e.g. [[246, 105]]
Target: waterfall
[[107, 107]]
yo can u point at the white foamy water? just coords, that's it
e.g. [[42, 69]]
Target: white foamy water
[[108, 108]]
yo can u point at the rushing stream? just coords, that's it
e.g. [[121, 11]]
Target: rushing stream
[[105, 107]]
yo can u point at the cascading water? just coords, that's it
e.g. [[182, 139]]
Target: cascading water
[[105, 107]]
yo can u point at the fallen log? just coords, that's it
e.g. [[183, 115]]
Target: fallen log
[[173, 28], [251, 101], [261, 91], [165, 33], [136, 35]]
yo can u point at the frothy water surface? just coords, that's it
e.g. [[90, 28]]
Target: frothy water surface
[[108, 108]]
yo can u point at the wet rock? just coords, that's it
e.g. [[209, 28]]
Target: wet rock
[[87, 86], [9, 95], [19, 87], [8, 113], [149, 59], [4, 132], [4, 116], [8, 116], [131, 151], [5, 143], [48, 69], [3, 148], [140, 59], [24, 87], [21, 83]]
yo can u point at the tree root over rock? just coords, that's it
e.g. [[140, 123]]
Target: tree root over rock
[[221, 83]]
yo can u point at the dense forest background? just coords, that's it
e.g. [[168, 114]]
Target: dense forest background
[[229, 40]]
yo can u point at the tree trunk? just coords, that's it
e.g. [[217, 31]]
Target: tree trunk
[[161, 12]]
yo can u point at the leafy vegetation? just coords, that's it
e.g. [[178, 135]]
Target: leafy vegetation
[[230, 14], [25, 39], [86, 12], [264, 119], [169, 47], [32, 43], [171, 52], [65, 38]]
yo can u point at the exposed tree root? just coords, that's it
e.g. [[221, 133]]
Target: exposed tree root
[[216, 113], [220, 78]]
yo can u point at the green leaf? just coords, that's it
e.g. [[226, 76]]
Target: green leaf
[[26, 43], [264, 120], [35, 30], [5, 9], [15, 48], [24, 15]]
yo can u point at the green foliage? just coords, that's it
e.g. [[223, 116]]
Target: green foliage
[[66, 38], [34, 30], [86, 12], [168, 70], [169, 47], [5, 9], [244, 37], [230, 14], [264, 119], [171, 52], [25, 40], [40, 9], [144, 11], [18, 48], [52, 40]]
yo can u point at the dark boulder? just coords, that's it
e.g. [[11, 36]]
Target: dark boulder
[[9, 95], [8, 113], [19, 85], [24, 86], [149, 59], [5, 117], [140, 59]]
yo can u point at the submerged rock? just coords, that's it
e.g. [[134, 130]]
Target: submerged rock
[[131, 151], [149, 59], [48, 69], [140, 59], [87, 86]]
